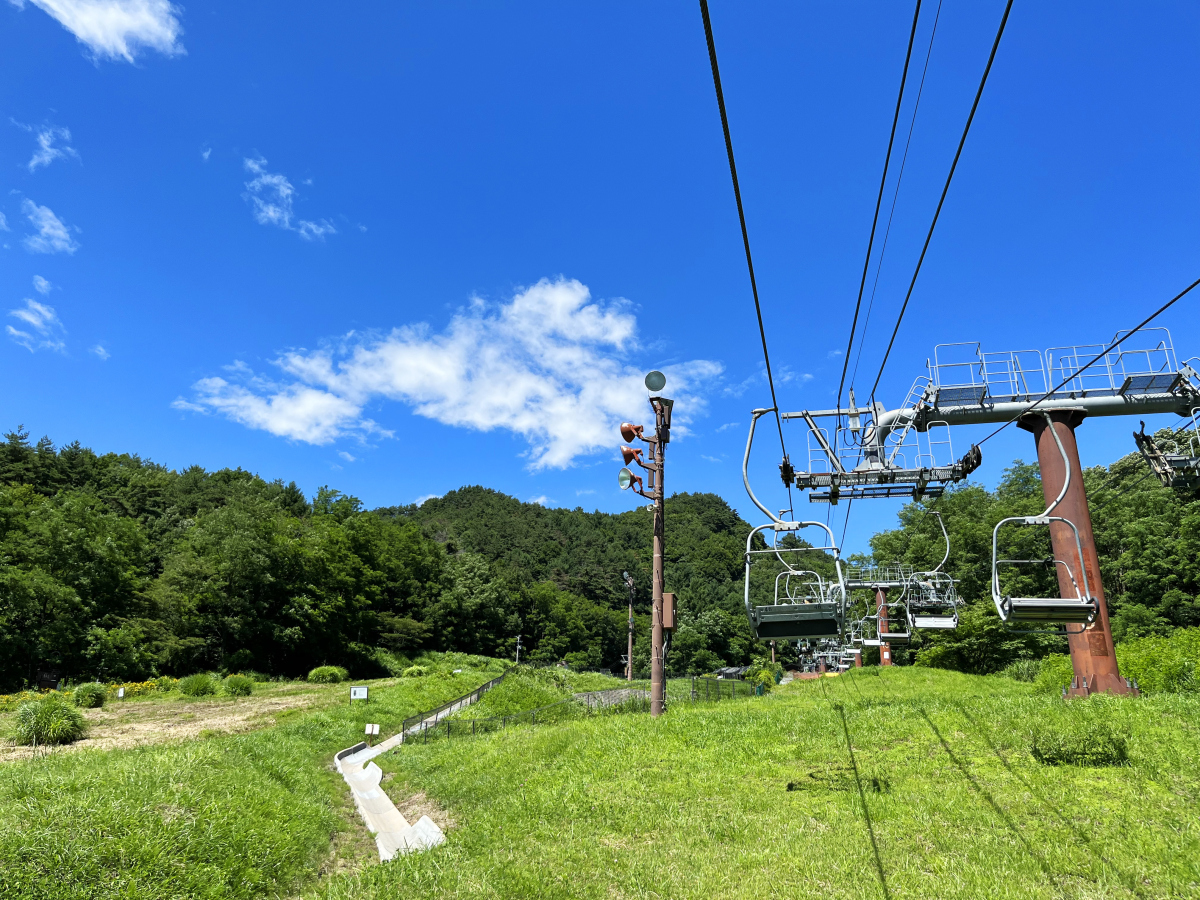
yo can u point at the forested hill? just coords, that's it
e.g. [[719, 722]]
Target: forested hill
[[112, 566]]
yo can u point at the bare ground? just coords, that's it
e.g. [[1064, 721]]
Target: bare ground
[[135, 723]]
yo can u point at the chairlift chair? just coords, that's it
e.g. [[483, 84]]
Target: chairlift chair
[[1167, 460], [932, 598], [1079, 610]]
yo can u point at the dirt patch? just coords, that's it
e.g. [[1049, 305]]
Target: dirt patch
[[420, 805], [124, 725]]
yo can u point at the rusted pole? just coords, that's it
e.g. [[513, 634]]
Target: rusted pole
[[885, 650], [772, 652], [656, 634], [1092, 655]]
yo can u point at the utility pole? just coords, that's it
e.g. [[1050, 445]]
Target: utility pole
[[629, 657], [518, 649], [1092, 655], [662, 407]]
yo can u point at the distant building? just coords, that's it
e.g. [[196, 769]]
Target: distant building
[[734, 672]]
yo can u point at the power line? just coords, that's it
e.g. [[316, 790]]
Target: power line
[[1146, 321], [942, 200], [896, 195], [887, 159], [737, 193]]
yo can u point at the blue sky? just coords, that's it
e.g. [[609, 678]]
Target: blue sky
[[399, 248]]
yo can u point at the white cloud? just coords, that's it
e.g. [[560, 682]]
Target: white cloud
[[41, 285], [53, 235], [834, 354], [421, 500], [100, 352], [45, 330], [540, 501], [715, 459], [346, 456], [117, 29], [727, 426], [272, 196], [582, 491], [46, 152], [550, 366], [206, 153], [3, 223]]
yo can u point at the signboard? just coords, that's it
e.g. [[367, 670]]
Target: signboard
[[372, 729], [358, 693], [120, 693]]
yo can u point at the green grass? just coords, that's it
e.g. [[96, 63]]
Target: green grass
[[761, 798], [758, 798], [223, 817]]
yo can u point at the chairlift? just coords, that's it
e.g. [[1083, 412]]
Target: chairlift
[[812, 607], [1050, 611], [1167, 460], [815, 607], [932, 598]]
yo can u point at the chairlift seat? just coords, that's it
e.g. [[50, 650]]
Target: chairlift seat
[[942, 622], [796, 621], [1023, 609], [894, 637]]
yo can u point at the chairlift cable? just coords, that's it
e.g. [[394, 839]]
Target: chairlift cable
[[737, 194], [887, 159], [945, 190], [1122, 492], [1120, 340], [895, 197]]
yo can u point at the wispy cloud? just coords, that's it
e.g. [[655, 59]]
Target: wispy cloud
[[727, 426], [420, 501], [47, 136], [346, 456], [100, 352], [550, 365], [834, 354], [3, 223], [117, 29], [715, 459], [206, 153], [53, 235], [540, 501], [582, 491], [40, 327], [41, 285], [272, 197]]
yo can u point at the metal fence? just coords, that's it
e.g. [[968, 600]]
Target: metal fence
[[453, 705], [634, 699]]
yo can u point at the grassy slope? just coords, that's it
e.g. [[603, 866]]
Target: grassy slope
[[697, 804], [246, 815], [524, 688]]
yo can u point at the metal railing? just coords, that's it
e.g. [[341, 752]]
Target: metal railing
[[453, 705], [691, 689]]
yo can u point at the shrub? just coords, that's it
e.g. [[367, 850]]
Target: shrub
[[90, 696], [199, 685], [50, 720], [1079, 741], [165, 683], [256, 677], [1163, 664], [238, 686], [1026, 670], [1054, 674], [414, 672], [328, 675]]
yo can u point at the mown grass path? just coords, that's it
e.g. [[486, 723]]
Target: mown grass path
[[762, 799]]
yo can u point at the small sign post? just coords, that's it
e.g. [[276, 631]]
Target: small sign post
[[120, 693], [371, 729], [358, 693]]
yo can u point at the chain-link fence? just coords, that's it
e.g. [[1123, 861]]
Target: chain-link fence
[[632, 699]]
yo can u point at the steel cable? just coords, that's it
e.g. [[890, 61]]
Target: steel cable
[[737, 194], [941, 201]]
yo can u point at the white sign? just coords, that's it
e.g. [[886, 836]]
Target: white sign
[[120, 693], [372, 729], [358, 693]]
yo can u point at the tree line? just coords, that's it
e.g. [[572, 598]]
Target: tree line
[[114, 567]]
